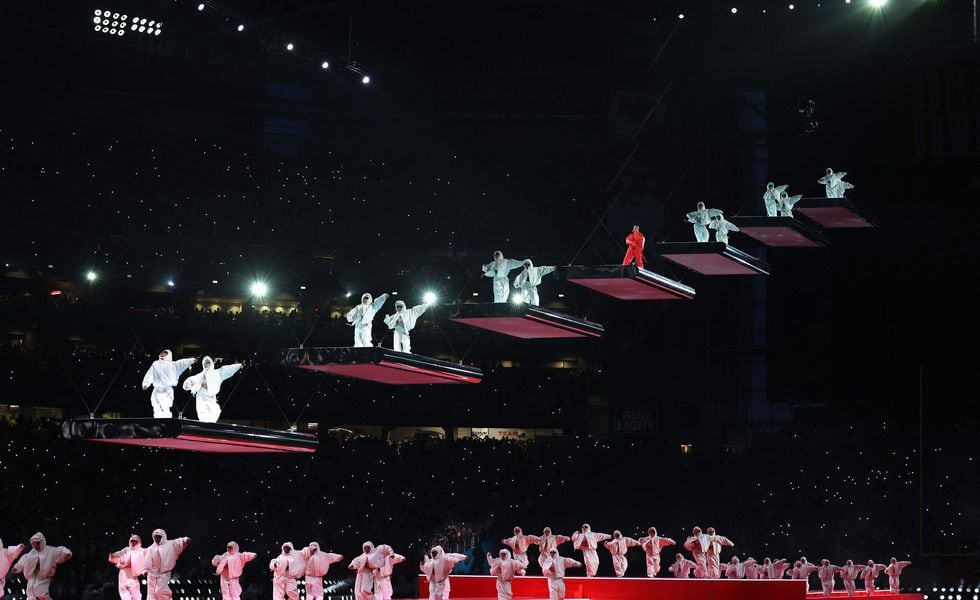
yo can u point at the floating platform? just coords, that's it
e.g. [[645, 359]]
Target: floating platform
[[184, 434], [525, 321], [381, 365], [834, 213], [781, 232], [712, 258], [625, 282]]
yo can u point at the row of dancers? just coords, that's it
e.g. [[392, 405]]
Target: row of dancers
[[375, 565]]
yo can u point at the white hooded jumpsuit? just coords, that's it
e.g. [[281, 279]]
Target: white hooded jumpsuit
[[518, 544], [697, 544], [7, 557], [205, 387], [362, 317], [848, 573], [159, 561], [163, 375], [547, 542], [701, 218], [130, 562], [618, 547], [286, 569], [714, 553], [894, 570], [825, 573], [652, 544], [228, 567], [317, 565], [528, 280], [587, 541], [403, 322], [499, 269], [39, 566], [554, 569], [505, 569], [437, 567], [364, 582], [382, 562], [681, 569]]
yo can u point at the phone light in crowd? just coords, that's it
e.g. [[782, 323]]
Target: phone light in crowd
[[324, 65], [241, 28], [91, 276]]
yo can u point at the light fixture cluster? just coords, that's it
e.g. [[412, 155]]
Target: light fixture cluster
[[119, 24], [874, 4]]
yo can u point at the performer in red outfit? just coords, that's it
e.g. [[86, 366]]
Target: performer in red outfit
[[634, 247]]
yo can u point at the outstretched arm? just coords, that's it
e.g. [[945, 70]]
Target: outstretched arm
[[228, 370], [184, 364], [379, 301], [148, 378]]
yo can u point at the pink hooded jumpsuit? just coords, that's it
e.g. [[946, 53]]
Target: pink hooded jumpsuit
[[848, 573], [437, 568], [681, 569], [825, 573], [518, 544], [894, 570], [652, 544], [7, 557], [159, 560], [130, 563], [364, 582], [317, 565], [587, 541], [228, 567], [39, 566], [697, 544], [547, 542], [802, 569], [505, 569], [714, 552], [286, 569], [734, 569], [618, 547], [382, 562], [869, 574], [554, 569]]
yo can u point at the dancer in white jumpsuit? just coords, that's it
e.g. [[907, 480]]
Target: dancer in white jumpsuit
[[869, 574], [402, 323], [652, 544], [528, 280], [361, 317], [554, 569], [587, 541], [701, 218], [159, 560], [317, 565], [771, 198], [834, 184], [286, 569], [825, 573], [163, 375], [894, 570], [618, 546], [39, 566], [8, 555], [229, 567], [697, 544], [437, 567], [848, 573], [499, 269], [519, 544], [205, 387], [682, 567], [382, 562], [546, 542], [505, 569], [130, 562], [364, 581]]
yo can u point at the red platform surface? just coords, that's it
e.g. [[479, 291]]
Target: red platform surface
[[836, 217], [473, 587], [527, 328], [392, 373]]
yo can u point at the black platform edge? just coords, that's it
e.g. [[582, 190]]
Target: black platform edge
[[823, 202], [489, 310], [137, 428], [347, 355]]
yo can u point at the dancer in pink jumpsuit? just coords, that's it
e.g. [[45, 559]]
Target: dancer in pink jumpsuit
[[382, 562], [681, 569], [894, 570], [317, 565], [714, 552], [159, 560], [869, 574], [825, 573], [39, 566], [228, 567], [7, 557], [286, 569], [697, 544], [437, 567], [130, 561], [554, 569], [774, 569], [518, 544], [364, 582], [753, 570], [802, 569], [652, 544], [587, 541], [546, 542], [505, 569], [618, 547], [734, 569], [848, 573]]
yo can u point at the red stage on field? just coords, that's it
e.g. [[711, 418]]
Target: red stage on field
[[626, 282], [479, 587], [381, 365]]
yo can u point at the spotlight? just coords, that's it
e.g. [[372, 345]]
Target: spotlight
[[170, 283], [97, 20], [259, 289], [200, 6], [289, 46], [429, 298], [241, 28], [325, 65], [517, 298], [878, 3], [98, 13], [734, 10], [680, 16], [91, 276], [365, 80], [792, 6], [348, 294]]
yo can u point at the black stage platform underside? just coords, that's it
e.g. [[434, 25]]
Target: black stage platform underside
[[781, 232], [525, 321], [184, 434], [625, 282], [381, 365], [712, 258], [835, 213]]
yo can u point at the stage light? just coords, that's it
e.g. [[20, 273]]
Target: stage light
[[289, 46], [734, 10], [91, 276], [517, 299], [241, 28], [365, 80], [98, 13], [325, 65], [429, 298], [348, 294], [214, 282], [680, 16], [170, 283], [792, 6], [878, 3], [200, 6], [259, 289], [302, 287]]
